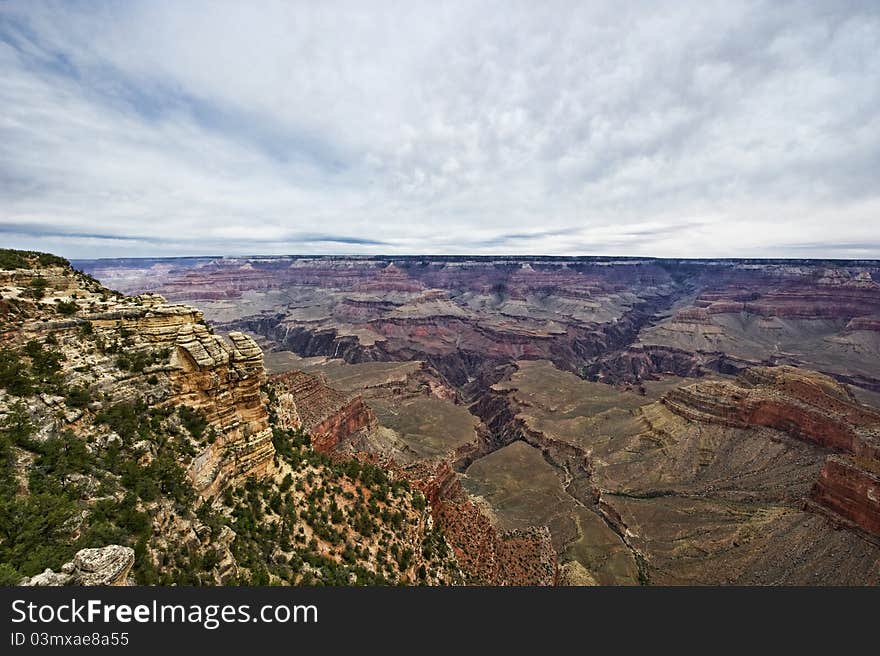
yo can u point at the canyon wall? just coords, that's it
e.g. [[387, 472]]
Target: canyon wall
[[648, 459], [327, 415], [136, 424], [187, 363], [220, 379], [488, 556], [851, 492], [806, 405], [810, 407]]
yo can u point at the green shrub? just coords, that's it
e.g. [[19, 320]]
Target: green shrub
[[47, 259], [16, 259], [127, 419], [193, 420], [14, 375], [36, 532], [137, 361], [9, 575], [37, 288], [66, 308], [45, 363], [10, 259], [78, 397]]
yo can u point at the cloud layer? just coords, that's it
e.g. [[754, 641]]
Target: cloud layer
[[684, 129]]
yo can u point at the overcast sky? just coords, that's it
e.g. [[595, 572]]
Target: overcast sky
[[671, 129]]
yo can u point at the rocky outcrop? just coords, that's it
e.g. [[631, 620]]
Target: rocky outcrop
[[639, 363], [224, 383], [501, 426], [327, 415], [353, 416], [57, 278], [573, 573], [438, 483], [863, 323], [286, 412], [105, 566], [850, 491], [208, 374], [182, 363], [144, 393]]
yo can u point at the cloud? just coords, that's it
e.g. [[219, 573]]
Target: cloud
[[699, 129], [37, 230]]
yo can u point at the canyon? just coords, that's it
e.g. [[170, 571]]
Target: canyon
[[137, 445], [634, 420]]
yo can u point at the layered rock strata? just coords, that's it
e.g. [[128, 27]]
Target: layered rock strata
[[222, 380], [208, 374], [850, 491], [809, 407], [327, 415]]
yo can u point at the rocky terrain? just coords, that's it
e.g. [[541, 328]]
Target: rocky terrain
[[343, 425], [136, 444], [637, 420]]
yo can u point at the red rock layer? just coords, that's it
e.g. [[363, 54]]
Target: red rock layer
[[350, 418], [327, 415], [810, 407], [697, 315], [851, 492], [484, 553], [230, 277], [863, 323], [806, 405], [810, 293]]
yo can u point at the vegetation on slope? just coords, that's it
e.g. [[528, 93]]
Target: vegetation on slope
[[331, 523]]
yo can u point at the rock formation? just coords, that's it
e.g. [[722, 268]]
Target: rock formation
[[645, 493], [850, 489], [487, 555], [208, 374], [107, 566], [806, 405], [810, 407], [327, 415]]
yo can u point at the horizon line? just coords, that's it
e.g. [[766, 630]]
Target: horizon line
[[423, 256]]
